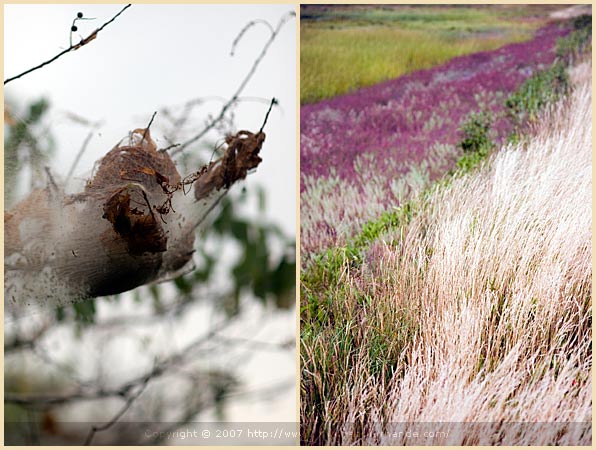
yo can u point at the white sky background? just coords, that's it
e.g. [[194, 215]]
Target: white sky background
[[154, 56], [165, 55]]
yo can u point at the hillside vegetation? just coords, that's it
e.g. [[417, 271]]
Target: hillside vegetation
[[460, 310]]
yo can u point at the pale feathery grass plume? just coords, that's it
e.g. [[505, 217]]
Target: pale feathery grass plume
[[487, 294]]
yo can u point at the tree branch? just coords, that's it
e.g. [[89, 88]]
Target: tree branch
[[18, 343], [122, 391], [78, 157], [244, 82], [83, 42], [129, 401]]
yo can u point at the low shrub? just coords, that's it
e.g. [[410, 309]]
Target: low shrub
[[476, 142], [543, 88], [578, 42]]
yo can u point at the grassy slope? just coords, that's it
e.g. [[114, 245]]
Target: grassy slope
[[346, 48], [469, 303], [484, 308]]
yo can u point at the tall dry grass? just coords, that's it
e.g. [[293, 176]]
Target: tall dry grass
[[480, 309], [343, 206]]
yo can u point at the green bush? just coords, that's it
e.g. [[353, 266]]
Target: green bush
[[543, 88], [476, 142], [577, 43], [476, 133]]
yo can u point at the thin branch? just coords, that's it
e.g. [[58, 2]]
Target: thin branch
[[78, 157], [123, 391], [46, 400], [243, 84], [65, 370], [83, 42], [257, 345], [73, 28], [18, 343], [273, 102], [164, 433], [169, 147], [129, 401], [80, 120], [51, 182], [148, 126], [265, 391], [178, 121], [246, 28]]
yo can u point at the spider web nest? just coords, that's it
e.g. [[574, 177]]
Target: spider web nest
[[133, 223]]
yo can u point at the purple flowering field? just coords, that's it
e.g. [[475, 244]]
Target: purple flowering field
[[364, 152]]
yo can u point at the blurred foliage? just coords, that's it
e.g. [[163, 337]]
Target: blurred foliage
[[266, 278], [524, 105], [547, 86], [26, 142]]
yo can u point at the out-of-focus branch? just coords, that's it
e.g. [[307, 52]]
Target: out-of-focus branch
[[269, 390], [257, 345], [274, 32], [129, 401], [173, 309], [18, 343], [124, 390], [79, 154], [83, 42]]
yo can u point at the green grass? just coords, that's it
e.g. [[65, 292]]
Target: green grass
[[343, 49]]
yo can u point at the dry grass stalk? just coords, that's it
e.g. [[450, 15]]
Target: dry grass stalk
[[481, 307]]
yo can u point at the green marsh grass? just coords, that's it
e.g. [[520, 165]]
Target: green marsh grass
[[348, 49]]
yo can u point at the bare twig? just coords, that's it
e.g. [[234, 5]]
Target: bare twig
[[64, 369], [83, 42], [148, 126], [46, 400], [169, 147], [18, 343], [179, 120], [265, 391], [51, 182], [257, 345], [78, 157], [129, 401], [123, 391], [73, 28], [80, 120], [273, 102], [251, 72], [246, 28]]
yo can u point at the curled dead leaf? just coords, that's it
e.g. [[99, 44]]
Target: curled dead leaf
[[137, 226], [241, 155]]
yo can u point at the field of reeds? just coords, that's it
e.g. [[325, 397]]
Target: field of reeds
[[446, 252], [347, 47]]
